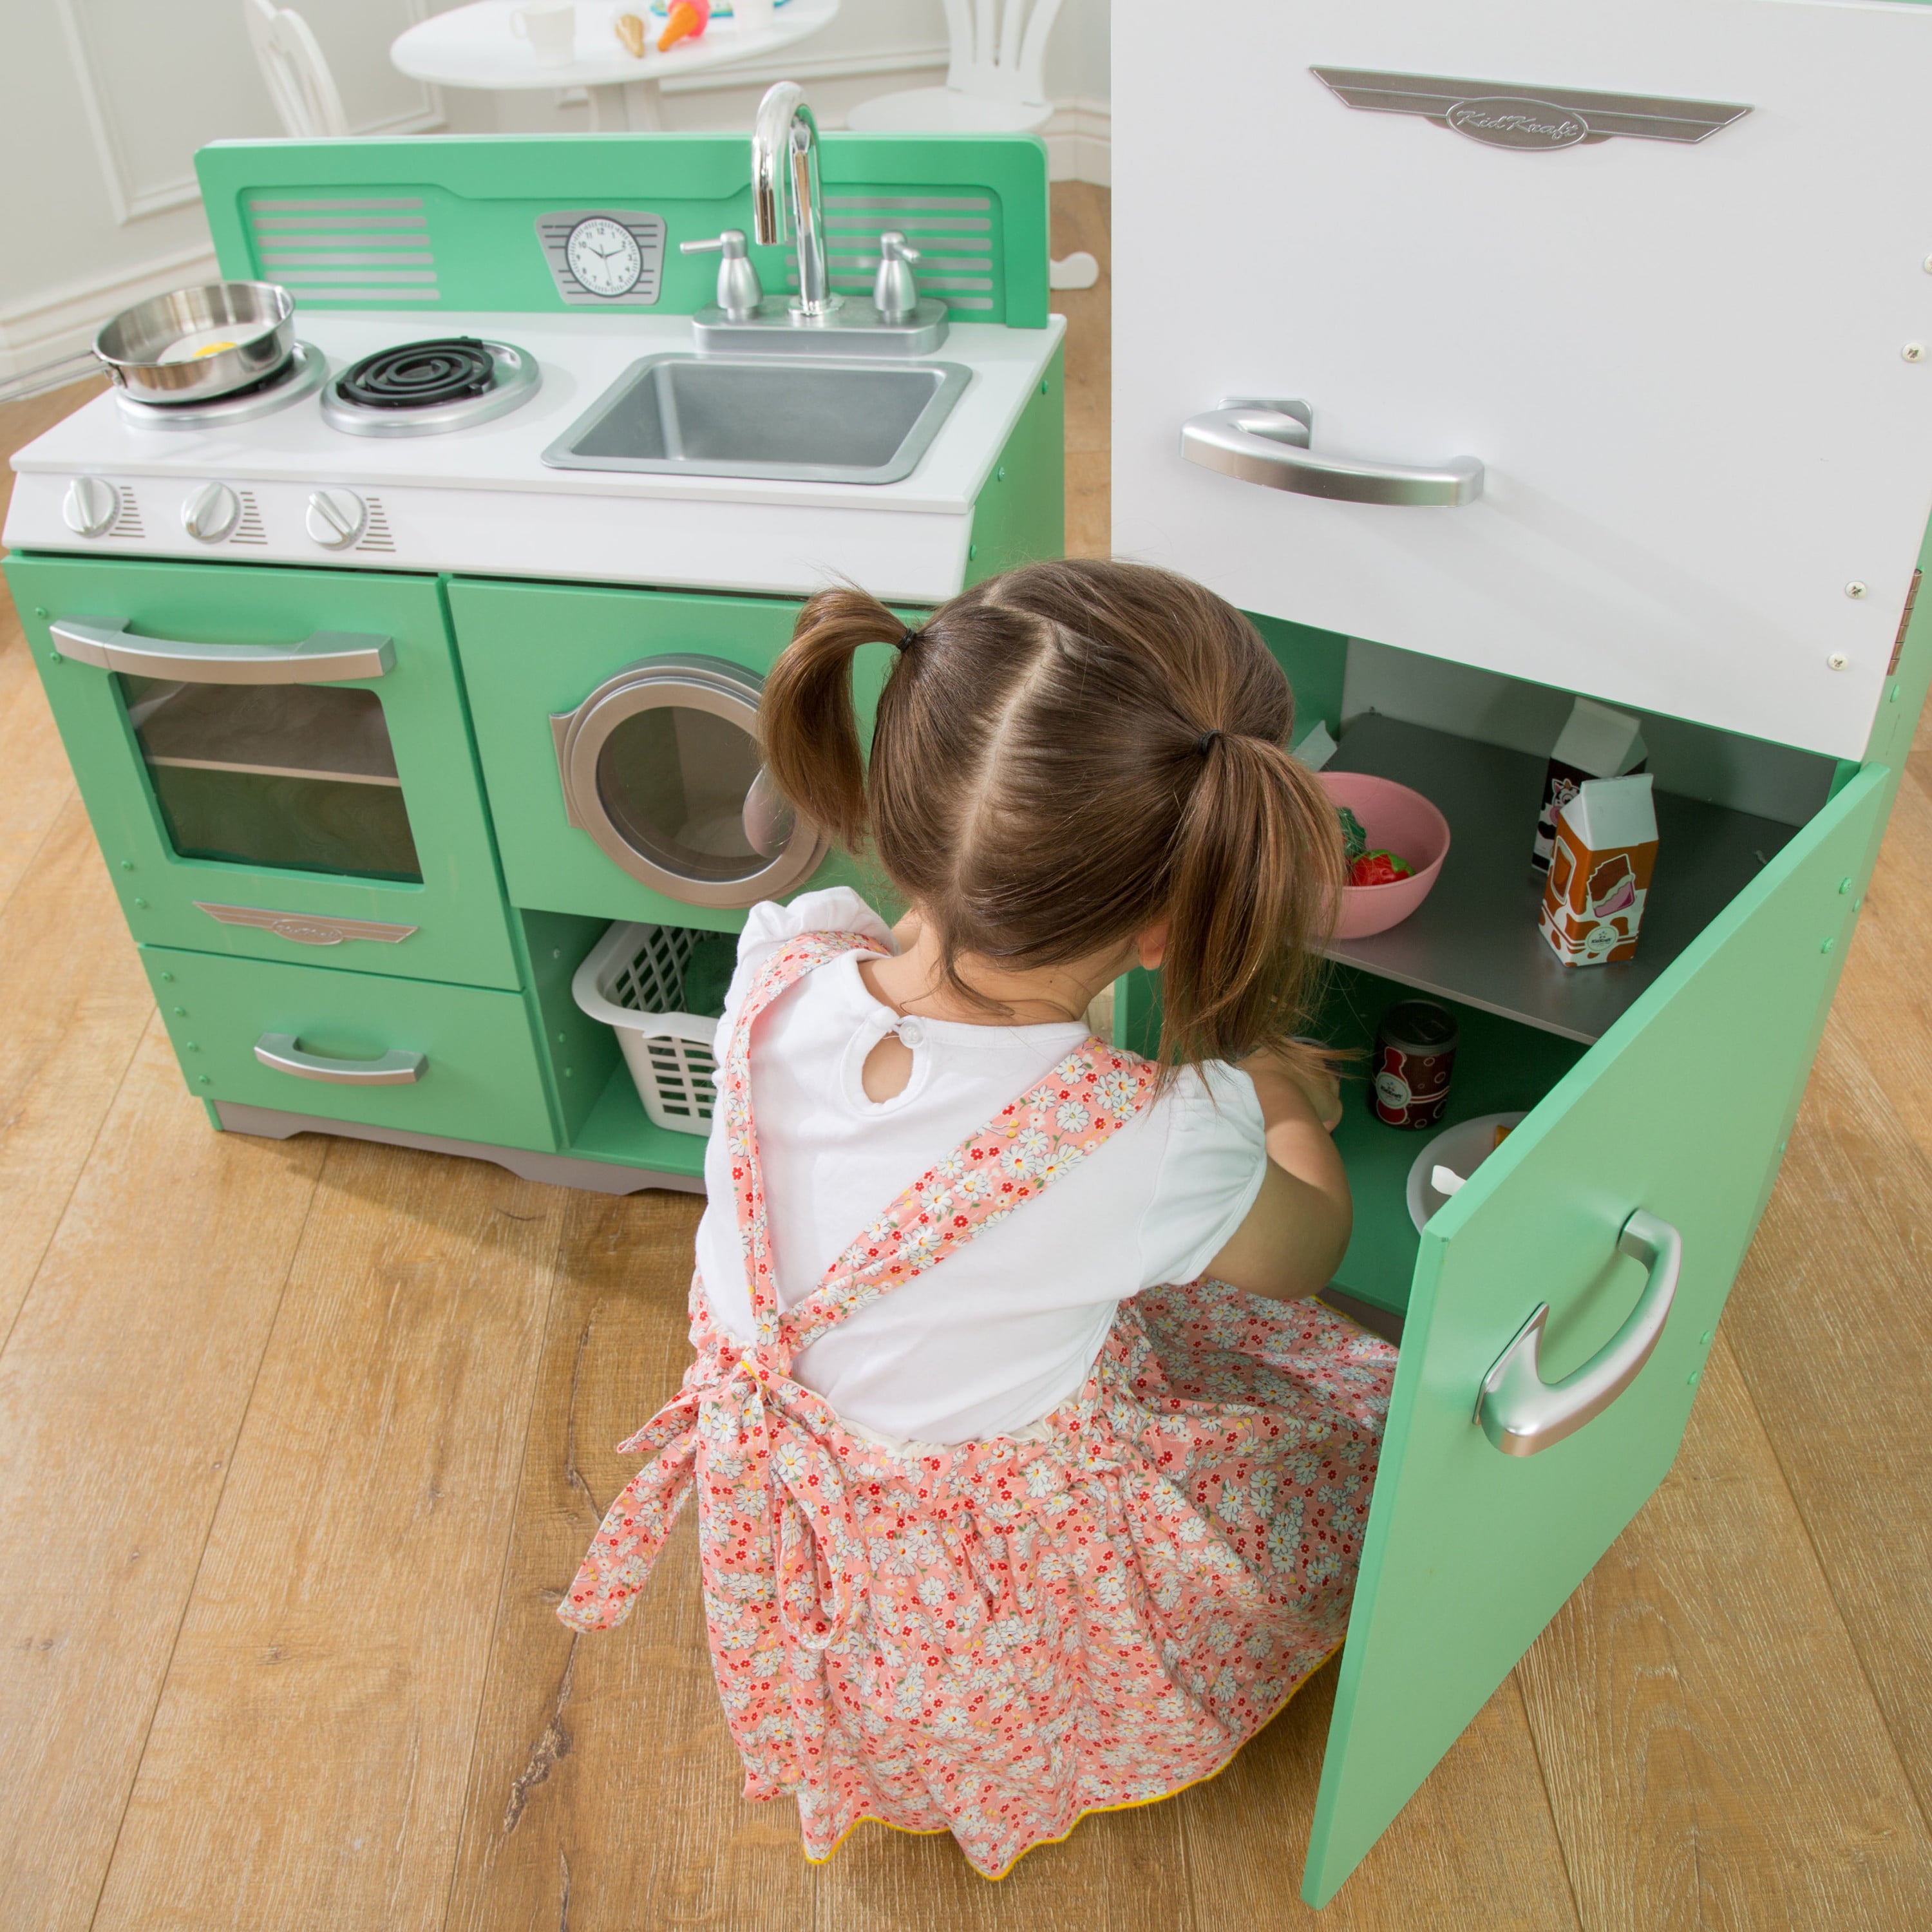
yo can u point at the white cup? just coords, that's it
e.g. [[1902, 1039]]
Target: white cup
[[754, 16], [551, 31]]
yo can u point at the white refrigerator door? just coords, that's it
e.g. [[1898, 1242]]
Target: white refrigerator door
[[1684, 343]]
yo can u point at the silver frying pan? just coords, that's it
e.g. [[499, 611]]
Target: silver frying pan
[[189, 346]]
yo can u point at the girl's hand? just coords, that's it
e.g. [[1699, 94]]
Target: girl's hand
[[1322, 1089]]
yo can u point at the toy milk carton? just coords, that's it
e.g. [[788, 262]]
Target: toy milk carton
[[1599, 871], [1596, 743]]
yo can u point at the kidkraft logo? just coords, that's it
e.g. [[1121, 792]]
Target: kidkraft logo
[[1503, 121]]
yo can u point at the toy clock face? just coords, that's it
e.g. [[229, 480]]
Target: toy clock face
[[604, 257]]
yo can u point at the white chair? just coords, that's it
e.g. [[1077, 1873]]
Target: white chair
[[299, 81], [994, 86]]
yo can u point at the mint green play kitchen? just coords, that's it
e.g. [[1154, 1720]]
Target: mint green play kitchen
[[1580, 408]]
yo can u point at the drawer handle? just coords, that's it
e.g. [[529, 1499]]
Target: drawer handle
[[399, 1067], [324, 657], [1521, 1414], [1266, 441]]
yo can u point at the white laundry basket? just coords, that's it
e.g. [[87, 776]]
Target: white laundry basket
[[632, 981]]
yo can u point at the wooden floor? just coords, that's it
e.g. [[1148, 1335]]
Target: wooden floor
[[300, 1442]]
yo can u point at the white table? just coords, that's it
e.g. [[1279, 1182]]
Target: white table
[[474, 46]]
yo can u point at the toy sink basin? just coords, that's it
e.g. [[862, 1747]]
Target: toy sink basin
[[786, 419], [1398, 821]]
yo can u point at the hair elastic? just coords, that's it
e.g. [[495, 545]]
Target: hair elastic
[[907, 636], [1204, 743]]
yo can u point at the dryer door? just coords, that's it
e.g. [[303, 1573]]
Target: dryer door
[[660, 766]]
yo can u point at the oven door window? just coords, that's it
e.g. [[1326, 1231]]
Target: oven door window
[[299, 778]]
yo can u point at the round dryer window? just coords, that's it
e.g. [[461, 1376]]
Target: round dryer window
[[660, 766]]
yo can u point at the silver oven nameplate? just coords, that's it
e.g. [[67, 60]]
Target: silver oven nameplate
[[304, 928], [1503, 114]]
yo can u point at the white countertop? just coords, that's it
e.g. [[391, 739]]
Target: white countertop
[[481, 499]]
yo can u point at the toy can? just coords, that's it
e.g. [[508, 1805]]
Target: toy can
[[1415, 1053]]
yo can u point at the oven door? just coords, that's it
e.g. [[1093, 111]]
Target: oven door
[[277, 762]]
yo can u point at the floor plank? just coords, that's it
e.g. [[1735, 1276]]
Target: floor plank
[[1474, 1848], [122, 1389], [1832, 1323], [1081, 221], [307, 1765], [1713, 1757], [75, 1003], [605, 1789]]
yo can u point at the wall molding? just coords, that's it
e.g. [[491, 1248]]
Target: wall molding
[[62, 321], [1080, 142], [129, 201]]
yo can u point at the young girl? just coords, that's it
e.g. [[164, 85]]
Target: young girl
[[998, 1525]]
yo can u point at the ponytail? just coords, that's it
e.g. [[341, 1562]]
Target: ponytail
[[1256, 885], [808, 730]]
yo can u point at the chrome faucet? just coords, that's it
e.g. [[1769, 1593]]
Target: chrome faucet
[[785, 147]]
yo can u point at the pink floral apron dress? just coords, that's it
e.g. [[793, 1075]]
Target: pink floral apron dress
[[995, 1638]]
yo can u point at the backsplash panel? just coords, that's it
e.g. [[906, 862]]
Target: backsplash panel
[[453, 223]]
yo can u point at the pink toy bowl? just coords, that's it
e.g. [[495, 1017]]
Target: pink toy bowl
[[1395, 819]]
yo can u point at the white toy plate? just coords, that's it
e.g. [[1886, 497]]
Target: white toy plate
[[1462, 1149]]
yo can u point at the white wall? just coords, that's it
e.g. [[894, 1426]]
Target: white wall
[[102, 103]]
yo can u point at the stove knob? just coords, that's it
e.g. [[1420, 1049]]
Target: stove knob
[[92, 503], [337, 517], [210, 513]]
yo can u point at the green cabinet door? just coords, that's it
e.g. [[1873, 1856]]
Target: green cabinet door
[[1680, 1110], [338, 820]]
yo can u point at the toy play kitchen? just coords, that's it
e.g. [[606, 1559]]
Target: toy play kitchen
[[394, 674], [1541, 361], [1550, 353]]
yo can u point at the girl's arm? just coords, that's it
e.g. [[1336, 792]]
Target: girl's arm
[[1293, 1238]]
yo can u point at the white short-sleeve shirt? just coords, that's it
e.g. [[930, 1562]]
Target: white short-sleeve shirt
[[1006, 1327]]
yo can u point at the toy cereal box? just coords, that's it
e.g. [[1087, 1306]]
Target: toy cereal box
[[1599, 878]]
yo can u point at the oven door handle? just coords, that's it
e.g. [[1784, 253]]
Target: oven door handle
[[398, 1067], [323, 657]]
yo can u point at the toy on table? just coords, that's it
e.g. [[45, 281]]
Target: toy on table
[[1599, 881], [1597, 742], [1415, 1055], [685, 21], [630, 29]]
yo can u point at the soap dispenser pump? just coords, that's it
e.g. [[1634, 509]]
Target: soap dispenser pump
[[894, 294]]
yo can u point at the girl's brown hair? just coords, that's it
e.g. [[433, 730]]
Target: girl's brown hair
[[1062, 756]]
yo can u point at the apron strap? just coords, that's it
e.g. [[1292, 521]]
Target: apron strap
[[1053, 1126], [733, 1085]]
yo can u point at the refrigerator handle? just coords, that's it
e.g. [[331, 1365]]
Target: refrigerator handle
[[1266, 441], [1521, 1414]]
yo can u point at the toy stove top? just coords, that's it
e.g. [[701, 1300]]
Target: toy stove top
[[411, 388]]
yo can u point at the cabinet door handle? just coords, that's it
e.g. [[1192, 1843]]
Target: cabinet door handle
[[1266, 441], [1521, 1413], [399, 1067], [324, 657]]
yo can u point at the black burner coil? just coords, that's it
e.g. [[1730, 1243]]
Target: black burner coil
[[416, 375]]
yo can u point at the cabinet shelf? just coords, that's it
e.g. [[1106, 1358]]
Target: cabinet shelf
[[618, 1130], [292, 731], [1501, 1067], [1475, 938]]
